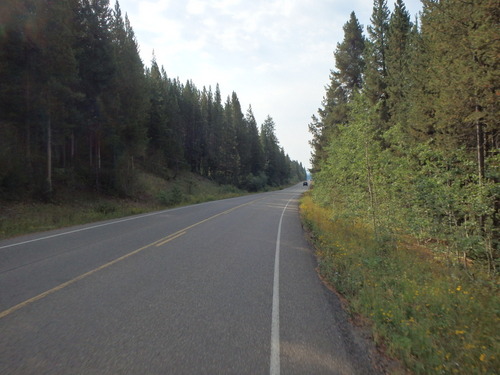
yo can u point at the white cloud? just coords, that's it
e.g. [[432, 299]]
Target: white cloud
[[150, 15], [276, 54], [196, 7], [225, 5]]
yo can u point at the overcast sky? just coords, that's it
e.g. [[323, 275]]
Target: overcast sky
[[275, 54]]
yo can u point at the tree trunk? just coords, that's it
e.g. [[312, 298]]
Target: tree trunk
[[49, 158], [91, 148], [371, 191], [480, 146], [72, 149], [98, 162]]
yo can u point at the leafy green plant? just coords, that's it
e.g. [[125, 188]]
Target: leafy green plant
[[172, 197], [105, 208], [431, 316]]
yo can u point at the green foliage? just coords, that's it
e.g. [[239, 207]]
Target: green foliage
[[405, 209], [75, 96], [345, 82], [376, 50], [72, 208], [435, 318], [22, 218], [172, 197], [255, 183], [415, 152], [349, 57], [398, 62], [105, 208]]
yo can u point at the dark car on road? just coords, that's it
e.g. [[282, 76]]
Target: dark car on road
[[305, 183]]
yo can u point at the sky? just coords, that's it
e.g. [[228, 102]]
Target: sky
[[275, 54]]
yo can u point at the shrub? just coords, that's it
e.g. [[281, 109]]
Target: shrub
[[432, 316], [172, 197]]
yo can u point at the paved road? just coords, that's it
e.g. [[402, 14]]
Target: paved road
[[225, 287]]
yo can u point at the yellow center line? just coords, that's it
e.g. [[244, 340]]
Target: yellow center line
[[9, 311], [170, 238], [159, 242]]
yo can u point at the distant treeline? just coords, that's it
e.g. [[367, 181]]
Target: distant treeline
[[78, 108], [407, 139]]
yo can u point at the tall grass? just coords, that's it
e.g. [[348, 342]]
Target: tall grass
[[22, 218], [78, 207], [434, 318]]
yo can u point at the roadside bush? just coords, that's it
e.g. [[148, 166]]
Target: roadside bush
[[105, 208], [255, 183], [432, 316], [172, 197]]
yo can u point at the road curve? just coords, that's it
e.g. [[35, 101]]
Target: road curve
[[225, 287]]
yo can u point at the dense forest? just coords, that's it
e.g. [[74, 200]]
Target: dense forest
[[79, 109], [407, 137]]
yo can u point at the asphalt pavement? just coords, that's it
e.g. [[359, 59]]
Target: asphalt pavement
[[225, 287]]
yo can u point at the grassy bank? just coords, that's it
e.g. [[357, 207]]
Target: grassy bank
[[70, 207], [435, 318]]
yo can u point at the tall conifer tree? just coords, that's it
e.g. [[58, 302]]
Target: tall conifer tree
[[127, 95], [96, 66], [229, 156], [397, 61], [271, 150], [349, 57], [345, 81], [242, 136], [375, 85], [255, 146]]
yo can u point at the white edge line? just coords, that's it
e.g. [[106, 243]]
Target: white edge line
[[275, 320], [94, 226], [108, 223]]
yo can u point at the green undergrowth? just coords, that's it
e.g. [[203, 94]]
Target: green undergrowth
[[70, 207], [30, 217], [435, 318]]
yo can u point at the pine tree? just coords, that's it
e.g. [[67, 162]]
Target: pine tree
[[345, 82], [96, 66], [461, 43], [216, 135], [206, 118], [375, 86], [18, 96], [317, 143], [229, 161], [349, 57], [126, 102], [157, 128], [192, 123], [242, 137], [397, 61], [255, 147], [57, 77], [271, 151]]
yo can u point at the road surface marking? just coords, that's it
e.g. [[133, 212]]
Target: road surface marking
[[92, 227], [159, 242], [117, 222], [3, 314], [171, 238], [275, 321]]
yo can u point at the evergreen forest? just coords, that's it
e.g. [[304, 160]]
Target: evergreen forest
[[404, 209], [79, 110], [407, 138]]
